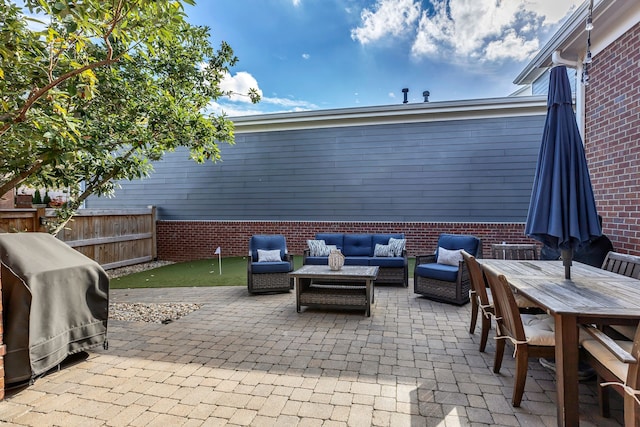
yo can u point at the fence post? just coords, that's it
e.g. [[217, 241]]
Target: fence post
[[40, 220], [154, 244]]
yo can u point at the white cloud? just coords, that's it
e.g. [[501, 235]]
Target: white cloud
[[296, 2], [289, 104], [238, 86], [458, 30], [239, 104], [552, 9], [306, 56], [511, 46], [392, 95], [390, 17]]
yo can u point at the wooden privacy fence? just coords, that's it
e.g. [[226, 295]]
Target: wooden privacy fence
[[112, 237]]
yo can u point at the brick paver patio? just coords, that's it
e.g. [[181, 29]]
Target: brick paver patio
[[246, 360]]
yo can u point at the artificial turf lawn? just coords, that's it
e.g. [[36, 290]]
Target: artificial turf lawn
[[203, 272]]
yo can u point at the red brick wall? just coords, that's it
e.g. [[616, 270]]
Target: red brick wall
[[612, 139], [190, 240]]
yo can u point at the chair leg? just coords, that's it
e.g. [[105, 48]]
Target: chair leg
[[486, 326], [522, 365], [631, 411], [497, 360], [474, 314], [603, 398]]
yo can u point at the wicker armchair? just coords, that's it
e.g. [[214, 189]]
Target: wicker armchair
[[268, 270], [445, 282]]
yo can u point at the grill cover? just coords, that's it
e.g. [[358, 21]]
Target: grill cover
[[55, 301]]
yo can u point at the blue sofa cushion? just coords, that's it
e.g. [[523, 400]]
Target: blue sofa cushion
[[270, 267], [267, 242], [332, 239], [356, 260], [387, 261], [357, 245], [316, 260], [459, 241], [448, 273]]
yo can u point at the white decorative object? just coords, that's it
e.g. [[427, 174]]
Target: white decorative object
[[336, 259]]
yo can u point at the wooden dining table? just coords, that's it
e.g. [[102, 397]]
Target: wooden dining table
[[591, 296]]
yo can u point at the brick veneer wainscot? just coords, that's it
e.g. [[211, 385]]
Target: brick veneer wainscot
[[191, 240]]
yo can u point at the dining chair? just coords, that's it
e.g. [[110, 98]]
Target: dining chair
[[532, 335], [514, 251], [627, 265], [517, 251], [480, 300], [616, 365]]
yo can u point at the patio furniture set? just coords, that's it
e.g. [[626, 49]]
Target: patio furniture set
[[369, 259], [533, 305]]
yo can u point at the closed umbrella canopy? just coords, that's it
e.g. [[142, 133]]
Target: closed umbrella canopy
[[562, 211]]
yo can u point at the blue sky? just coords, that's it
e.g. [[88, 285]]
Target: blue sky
[[324, 54]]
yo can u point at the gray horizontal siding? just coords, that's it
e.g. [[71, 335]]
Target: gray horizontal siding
[[466, 170]]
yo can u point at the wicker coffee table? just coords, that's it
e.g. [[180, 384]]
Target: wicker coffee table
[[349, 287]]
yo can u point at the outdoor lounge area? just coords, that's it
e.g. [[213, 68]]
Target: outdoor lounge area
[[243, 360]]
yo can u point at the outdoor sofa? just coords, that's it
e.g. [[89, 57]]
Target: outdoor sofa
[[386, 251]]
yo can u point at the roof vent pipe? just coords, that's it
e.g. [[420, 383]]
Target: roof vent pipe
[[405, 91], [426, 95]]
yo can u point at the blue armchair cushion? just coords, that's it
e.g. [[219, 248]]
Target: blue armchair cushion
[[270, 267], [332, 239], [267, 242], [357, 245], [447, 273], [459, 241]]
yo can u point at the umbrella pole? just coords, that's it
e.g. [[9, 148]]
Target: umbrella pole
[[567, 255]]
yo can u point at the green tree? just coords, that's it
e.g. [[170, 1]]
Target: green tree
[[101, 89]]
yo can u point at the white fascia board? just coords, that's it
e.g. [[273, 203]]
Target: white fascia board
[[391, 114]]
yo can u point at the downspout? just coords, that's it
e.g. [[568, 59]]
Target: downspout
[[557, 59]]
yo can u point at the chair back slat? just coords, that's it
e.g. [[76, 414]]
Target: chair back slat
[[514, 251], [627, 265]]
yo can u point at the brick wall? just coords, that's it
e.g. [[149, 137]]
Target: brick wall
[[612, 139], [190, 240]]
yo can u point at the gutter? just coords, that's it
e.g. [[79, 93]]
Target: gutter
[[393, 114]]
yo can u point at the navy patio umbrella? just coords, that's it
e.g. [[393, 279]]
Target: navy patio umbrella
[[562, 210]]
